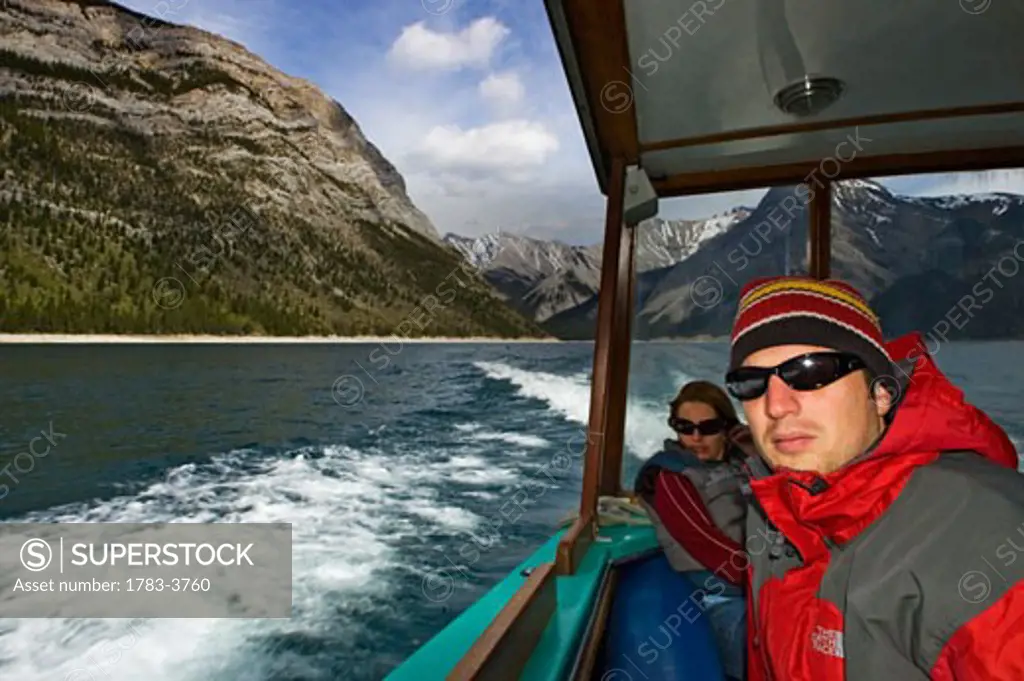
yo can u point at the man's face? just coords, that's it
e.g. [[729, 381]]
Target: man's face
[[818, 430]]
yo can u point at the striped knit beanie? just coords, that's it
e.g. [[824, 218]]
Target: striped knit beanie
[[797, 310]]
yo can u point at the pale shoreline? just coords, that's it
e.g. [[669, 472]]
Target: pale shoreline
[[85, 338]]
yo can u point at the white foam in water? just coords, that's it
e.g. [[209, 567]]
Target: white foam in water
[[646, 427], [484, 477], [477, 432], [348, 512], [680, 378], [486, 496], [569, 396], [474, 434], [521, 439], [473, 470], [465, 461], [446, 516]]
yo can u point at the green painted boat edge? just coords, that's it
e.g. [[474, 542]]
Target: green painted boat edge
[[556, 650], [438, 656]]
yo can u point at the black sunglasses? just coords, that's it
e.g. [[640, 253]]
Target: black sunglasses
[[805, 372], [707, 427]]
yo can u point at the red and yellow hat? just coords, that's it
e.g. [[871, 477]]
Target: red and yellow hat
[[801, 310]]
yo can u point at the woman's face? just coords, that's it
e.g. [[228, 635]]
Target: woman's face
[[705, 447]]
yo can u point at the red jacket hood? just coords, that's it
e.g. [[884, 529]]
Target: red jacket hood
[[932, 416]]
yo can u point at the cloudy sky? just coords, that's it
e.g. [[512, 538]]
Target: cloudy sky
[[468, 99]]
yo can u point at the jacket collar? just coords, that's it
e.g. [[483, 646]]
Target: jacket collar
[[929, 416]]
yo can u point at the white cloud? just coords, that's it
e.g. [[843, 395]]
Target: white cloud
[[569, 210], [504, 149], [944, 184], [421, 48], [518, 164], [477, 153], [504, 90]]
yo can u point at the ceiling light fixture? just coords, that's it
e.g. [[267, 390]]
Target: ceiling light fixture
[[809, 96]]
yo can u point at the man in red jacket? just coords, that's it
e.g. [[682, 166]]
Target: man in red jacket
[[882, 504]]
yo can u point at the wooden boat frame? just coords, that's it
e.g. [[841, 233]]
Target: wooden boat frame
[[592, 39]]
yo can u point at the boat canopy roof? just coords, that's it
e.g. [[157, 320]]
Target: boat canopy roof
[[717, 95]]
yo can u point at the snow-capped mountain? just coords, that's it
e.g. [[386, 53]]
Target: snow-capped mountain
[[999, 202], [915, 258], [662, 243], [537, 277], [543, 278]]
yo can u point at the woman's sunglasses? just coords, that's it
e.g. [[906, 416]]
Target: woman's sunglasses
[[806, 372], [688, 428]]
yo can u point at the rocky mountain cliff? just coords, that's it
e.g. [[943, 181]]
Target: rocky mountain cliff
[[945, 265], [544, 278], [158, 178], [538, 278]]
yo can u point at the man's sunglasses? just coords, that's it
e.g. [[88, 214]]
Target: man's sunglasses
[[805, 372], [688, 428]]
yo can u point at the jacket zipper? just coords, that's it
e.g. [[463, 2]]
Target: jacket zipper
[[780, 546]]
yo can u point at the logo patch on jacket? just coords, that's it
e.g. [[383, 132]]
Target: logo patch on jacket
[[827, 641]]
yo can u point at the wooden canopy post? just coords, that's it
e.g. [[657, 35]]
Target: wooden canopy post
[[640, 202], [578, 537], [820, 231], [618, 385]]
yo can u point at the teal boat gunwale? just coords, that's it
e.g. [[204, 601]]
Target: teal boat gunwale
[[607, 571], [577, 598], [604, 583], [438, 656], [558, 649]]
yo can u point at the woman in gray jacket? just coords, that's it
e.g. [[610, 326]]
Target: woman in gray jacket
[[693, 492]]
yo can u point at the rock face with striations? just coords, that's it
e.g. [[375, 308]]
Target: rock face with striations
[[539, 278], [144, 156]]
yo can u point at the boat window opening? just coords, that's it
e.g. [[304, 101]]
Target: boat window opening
[[710, 246], [958, 292]]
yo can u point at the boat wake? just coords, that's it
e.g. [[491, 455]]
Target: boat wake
[[568, 396], [355, 515]]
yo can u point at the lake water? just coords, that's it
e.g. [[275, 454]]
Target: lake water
[[384, 471]]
